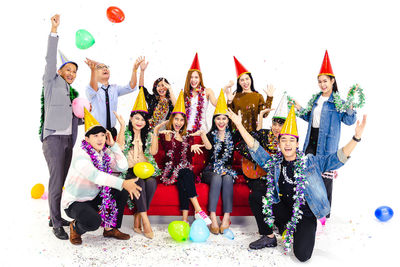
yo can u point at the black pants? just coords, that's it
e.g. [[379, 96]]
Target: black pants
[[85, 214], [57, 150], [121, 197], [304, 236], [312, 149], [148, 186], [186, 188], [258, 189]]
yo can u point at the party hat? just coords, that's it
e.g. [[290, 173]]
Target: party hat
[[282, 109], [240, 69], [180, 104], [290, 125], [140, 103], [90, 121], [65, 61], [195, 65], [326, 68], [221, 107]]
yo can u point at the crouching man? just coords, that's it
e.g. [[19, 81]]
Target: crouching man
[[87, 198]]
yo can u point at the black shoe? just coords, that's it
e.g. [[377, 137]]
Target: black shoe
[[60, 233], [64, 222], [263, 242]]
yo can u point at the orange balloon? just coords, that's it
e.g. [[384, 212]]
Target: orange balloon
[[37, 191], [115, 14]]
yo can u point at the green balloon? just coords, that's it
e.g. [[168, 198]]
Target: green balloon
[[83, 39], [179, 230]]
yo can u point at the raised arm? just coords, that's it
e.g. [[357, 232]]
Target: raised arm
[[133, 81], [171, 93], [154, 140], [51, 55], [121, 134], [143, 66], [93, 75], [211, 96], [237, 120], [347, 149]]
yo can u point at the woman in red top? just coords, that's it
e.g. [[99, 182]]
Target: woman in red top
[[179, 149]]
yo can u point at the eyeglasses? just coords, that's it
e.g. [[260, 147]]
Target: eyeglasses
[[100, 67]]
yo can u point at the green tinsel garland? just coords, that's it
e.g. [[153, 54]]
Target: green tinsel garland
[[72, 95], [150, 158], [341, 106]]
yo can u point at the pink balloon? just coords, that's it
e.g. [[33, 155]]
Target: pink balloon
[[45, 195], [77, 106]]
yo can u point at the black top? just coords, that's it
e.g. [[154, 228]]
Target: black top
[[287, 187], [152, 102], [211, 158]]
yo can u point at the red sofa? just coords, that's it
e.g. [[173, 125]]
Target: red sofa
[[166, 201]]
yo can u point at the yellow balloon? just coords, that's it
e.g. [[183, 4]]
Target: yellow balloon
[[143, 170], [37, 191], [284, 234]]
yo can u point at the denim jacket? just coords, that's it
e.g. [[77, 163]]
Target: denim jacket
[[329, 129], [315, 192]]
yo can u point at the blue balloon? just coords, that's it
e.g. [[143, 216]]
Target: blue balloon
[[199, 231], [384, 213], [229, 234]]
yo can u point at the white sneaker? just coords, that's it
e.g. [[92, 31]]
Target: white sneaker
[[202, 215]]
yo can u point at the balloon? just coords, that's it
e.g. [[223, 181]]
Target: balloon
[[179, 230], [143, 170], [77, 106], [45, 195], [229, 234], [115, 14], [284, 234], [83, 39], [384, 213], [199, 231], [37, 191]]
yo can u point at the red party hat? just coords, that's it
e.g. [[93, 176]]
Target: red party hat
[[195, 64], [326, 68], [240, 70]]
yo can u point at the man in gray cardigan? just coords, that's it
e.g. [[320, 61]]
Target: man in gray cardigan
[[60, 126]]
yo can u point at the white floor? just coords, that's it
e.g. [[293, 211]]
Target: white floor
[[344, 240]]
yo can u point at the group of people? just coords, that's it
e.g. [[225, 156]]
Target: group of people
[[289, 189]]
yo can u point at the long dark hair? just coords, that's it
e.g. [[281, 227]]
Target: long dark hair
[[214, 126], [334, 86], [144, 131], [156, 82], [239, 88]]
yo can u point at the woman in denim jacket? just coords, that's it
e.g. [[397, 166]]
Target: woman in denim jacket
[[296, 196], [324, 121]]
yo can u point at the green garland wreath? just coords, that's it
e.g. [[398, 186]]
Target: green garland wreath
[[72, 95], [341, 106]]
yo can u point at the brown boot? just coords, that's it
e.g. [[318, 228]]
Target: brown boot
[[116, 234], [74, 237]]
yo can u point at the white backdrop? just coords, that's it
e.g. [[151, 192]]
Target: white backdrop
[[280, 42]]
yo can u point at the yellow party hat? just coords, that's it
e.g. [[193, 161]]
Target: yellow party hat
[[140, 103], [290, 125], [180, 104], [90, 121], [221, 107]]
